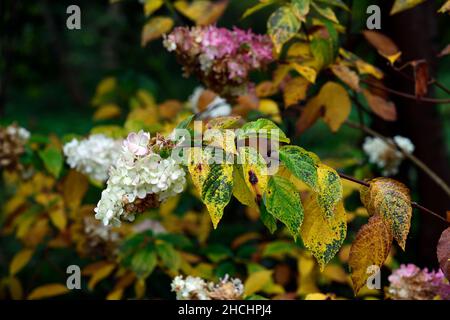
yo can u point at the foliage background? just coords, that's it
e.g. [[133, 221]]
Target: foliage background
[[50, 74]]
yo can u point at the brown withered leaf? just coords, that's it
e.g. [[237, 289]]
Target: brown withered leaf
[[422, 77], [346, 75], [391, 200], [309, 116], [384, 45], [386, 110], [371, 247], [170, 108], [443, 252]]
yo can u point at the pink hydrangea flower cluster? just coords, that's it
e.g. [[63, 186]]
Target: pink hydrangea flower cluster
[[220, 57], [409, 282]]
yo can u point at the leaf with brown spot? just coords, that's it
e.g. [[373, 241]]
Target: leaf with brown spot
[[294, 91], [386, 110], [443, 252], [254, 171], [391, 200], [422, 77], [371, 247], [384, 45]]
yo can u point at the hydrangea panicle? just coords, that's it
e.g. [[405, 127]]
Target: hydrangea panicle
[[221, 58], [139, 180]]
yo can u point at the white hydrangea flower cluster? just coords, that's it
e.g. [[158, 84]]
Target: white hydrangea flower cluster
[[139, 179], [385, 156], [92, 156], [195, 288], [22, 133], [218, 107]]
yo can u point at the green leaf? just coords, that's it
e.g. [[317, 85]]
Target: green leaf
[[260, 127], [325, 12], [330, 189], [144, 261], [282, 25], [185, 123], [217, 252], [322, 236], [257, 7], [323, 51], [302, 164], [213, 181], [240, 189], [301, 8], [283, 202], [267, 219], [335, 3], [53, 160], [278, 248], [168, 255]]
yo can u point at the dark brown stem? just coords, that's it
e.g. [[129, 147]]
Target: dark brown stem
[[407, 155], [406, 95], [414, 204]]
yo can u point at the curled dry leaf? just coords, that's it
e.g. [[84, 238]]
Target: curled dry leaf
[[385, 46], [346, 75], [381, 107], [389, 199], [443, 252], [371, 247]]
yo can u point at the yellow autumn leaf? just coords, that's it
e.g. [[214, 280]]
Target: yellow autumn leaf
[[107, 111], [295, 91], [151, 6], [306, 266], [202, 12], [282, 25], [321, 235], [74, 188], [15, 288], [337, 104], [105, 86], [241, 190], [100, 274], [256, 281], [402, 5], [270, 108], [20, 260], [58, 217], [445, 7], [47, 291], [371, 247], [222, 139], [139, 288], [116, 294], [317, 296], [155, 28], [308, 73], [366, 68]]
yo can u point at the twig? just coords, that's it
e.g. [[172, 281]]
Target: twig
[[414, 204], [406, 95], [407, 155]]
